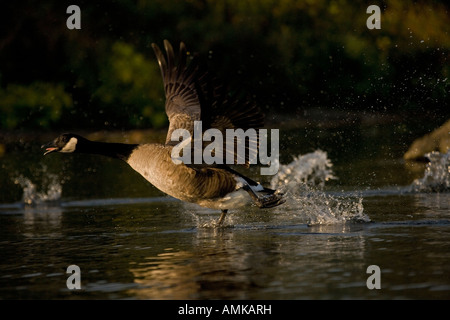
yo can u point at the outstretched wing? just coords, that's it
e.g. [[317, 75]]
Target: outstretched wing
[[182, 100], [193, 95]]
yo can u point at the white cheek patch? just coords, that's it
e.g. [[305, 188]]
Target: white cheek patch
[[70, 146]]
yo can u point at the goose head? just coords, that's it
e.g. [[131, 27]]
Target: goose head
[[65, 143]]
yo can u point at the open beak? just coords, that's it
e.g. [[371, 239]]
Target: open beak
[[49, 147]]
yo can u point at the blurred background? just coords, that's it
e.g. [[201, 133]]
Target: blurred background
[[298, 59]]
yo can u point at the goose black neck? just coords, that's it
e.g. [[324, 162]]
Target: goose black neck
[[114, 150]]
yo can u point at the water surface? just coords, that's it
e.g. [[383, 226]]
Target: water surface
[[133, 242]]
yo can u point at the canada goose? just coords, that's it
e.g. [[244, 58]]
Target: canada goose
[[190, 96]]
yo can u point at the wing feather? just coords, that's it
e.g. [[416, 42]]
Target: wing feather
[[192, 94]]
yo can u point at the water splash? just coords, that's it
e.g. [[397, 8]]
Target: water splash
[[437, 174], [34, 197], [312, 169], [303, 181], [320, 208]]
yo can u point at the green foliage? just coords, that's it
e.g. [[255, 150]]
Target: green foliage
[[131, 85], [288, 54], [37, 105]]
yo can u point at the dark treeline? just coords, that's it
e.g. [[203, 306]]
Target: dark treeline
[[289, 55]]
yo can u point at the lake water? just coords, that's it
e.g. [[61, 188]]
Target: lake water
[[352, 202]]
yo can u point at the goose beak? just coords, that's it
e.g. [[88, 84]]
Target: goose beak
[[50, 147]]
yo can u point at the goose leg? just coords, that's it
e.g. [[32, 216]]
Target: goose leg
[[222, 217]]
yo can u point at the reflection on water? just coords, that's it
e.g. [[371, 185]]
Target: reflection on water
[[166, 276], [243, 264], [433, 203], [43, 217]]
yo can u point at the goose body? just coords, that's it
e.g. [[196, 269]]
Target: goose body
[[190, 96], [209, 187]]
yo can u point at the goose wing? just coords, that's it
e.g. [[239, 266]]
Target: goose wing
[[192, 94], [182, 99]]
